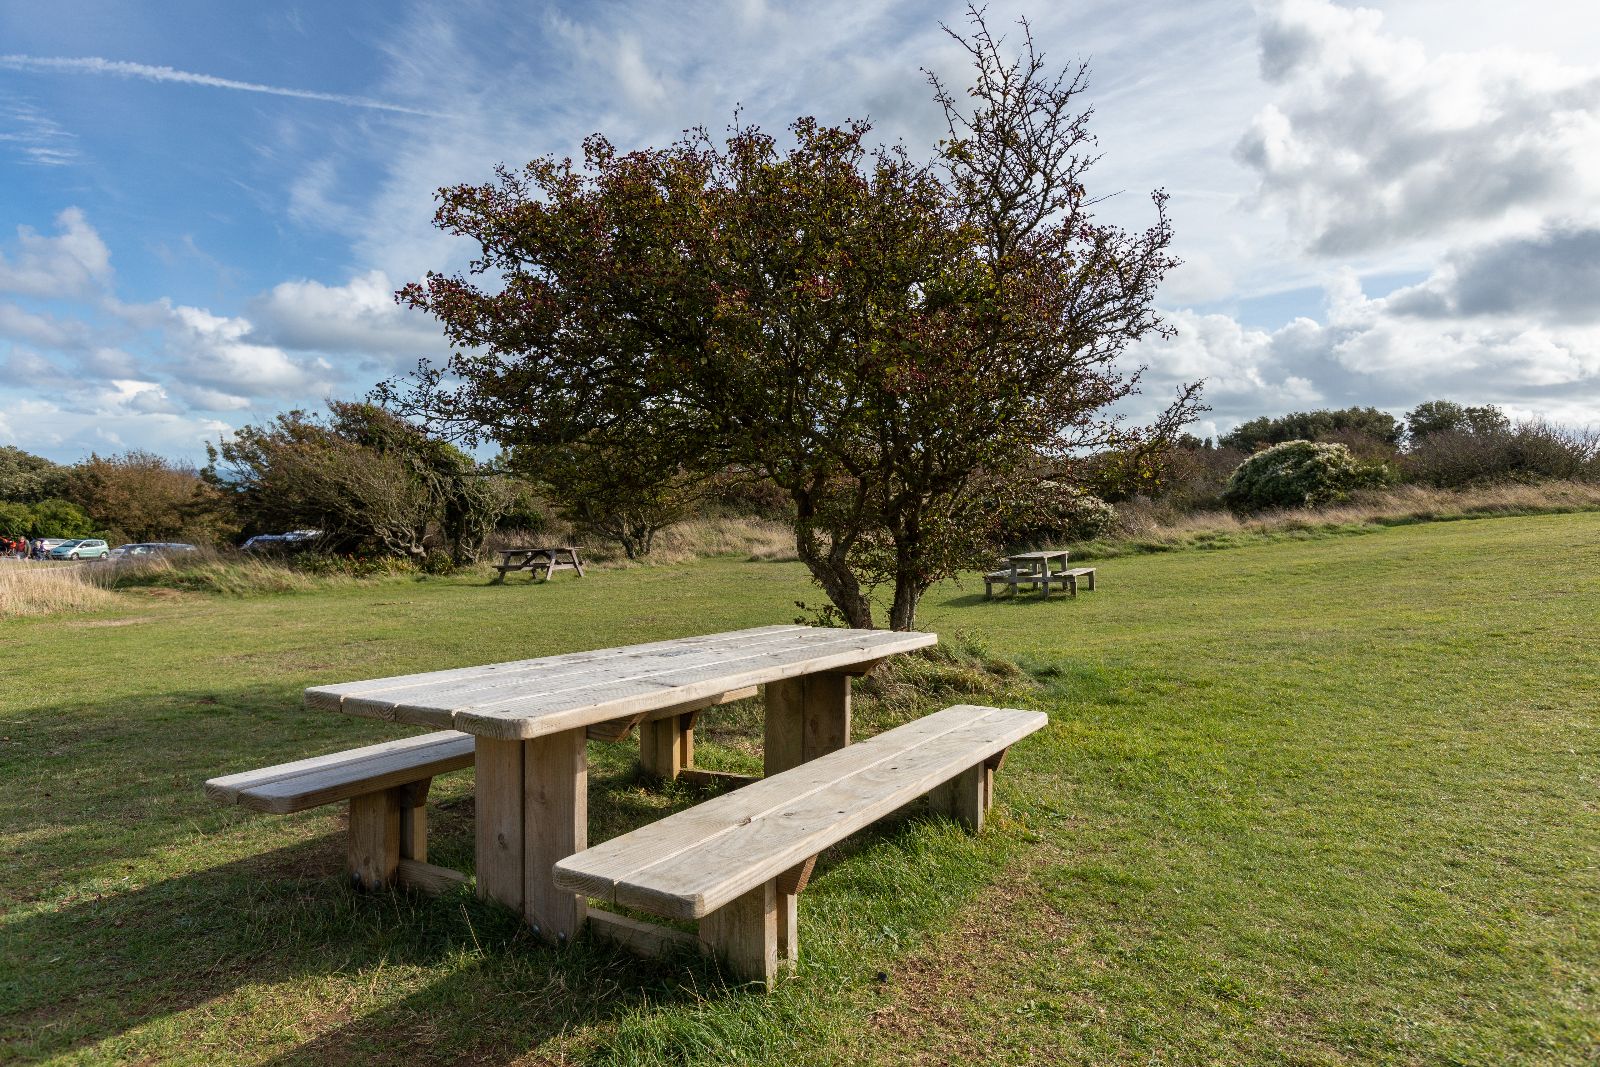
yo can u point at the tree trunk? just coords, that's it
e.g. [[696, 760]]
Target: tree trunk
[[907, 595], [833, 573]]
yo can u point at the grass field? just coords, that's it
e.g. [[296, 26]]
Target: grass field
[[1333, 801]]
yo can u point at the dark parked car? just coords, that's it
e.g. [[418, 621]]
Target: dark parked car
[[151, 548], [292, 541]]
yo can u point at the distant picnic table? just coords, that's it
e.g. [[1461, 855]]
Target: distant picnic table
[[552, 559], [1039, 570]]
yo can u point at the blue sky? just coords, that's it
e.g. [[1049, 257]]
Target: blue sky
[[207, 206]]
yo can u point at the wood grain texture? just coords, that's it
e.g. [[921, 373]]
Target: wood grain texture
[[499, 830], [743, 935], [645, 938], [374, 839], [962, 798], [310, 783], [531, 698], [555, 825], [693, 862], [428, 878]]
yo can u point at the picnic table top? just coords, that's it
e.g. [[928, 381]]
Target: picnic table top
[[535, 697], [543, 550], [1054, 553]]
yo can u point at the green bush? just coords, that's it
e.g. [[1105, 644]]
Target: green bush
[[1299, 474]]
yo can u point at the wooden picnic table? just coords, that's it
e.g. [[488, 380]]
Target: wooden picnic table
[[530, 721], [553, 558]]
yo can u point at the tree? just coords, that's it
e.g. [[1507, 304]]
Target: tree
[[1298, 474], [140, 496], [895, 344], [28, 479], [604, 491], [1446, 416], [1322, 425], [59, 518], [367, 479]]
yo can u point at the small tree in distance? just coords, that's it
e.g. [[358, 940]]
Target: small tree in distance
[[907, 349]]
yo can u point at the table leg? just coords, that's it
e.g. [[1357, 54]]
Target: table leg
[[532, 810], [499, 818], [807, 717], [556, 813], [666, 746]]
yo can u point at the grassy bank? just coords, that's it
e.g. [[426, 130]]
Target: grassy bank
[[1324, 802], [1152, 528]]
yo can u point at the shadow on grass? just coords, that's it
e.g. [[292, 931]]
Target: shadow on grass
[[92, 969], [276, 944]]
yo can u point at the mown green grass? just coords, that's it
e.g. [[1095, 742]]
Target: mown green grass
[[1334, 801]]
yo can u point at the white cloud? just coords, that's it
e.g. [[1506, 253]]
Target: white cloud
[[36, 138], [74, 262], [1378, 352], [1372, 142], [215, 351], [360, 316]]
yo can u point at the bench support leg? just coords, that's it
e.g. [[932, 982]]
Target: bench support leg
[[414, 820], [374, 838], [666, 746], [743, 934], [556, 825], [964, 798], [807, 717]]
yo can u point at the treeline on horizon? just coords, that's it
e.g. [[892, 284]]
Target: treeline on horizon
[[378, 485]]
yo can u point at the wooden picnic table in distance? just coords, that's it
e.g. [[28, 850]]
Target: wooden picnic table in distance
[[530, 720], [555, 558], [1028, 568]]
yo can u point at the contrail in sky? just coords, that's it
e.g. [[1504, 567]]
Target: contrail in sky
[[120, 68]]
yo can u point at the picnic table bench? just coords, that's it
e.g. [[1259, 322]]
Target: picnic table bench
[[387, 787], [552, 559], [737, 863]]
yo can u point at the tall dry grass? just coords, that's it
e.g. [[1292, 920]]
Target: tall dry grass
[[204, 571], [1150, 528], [697, 538], [48, 589]]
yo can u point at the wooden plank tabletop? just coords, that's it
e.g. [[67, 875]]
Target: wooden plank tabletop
[[1053, 554], [535, 697]]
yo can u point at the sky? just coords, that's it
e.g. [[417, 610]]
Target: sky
[[205, 208]]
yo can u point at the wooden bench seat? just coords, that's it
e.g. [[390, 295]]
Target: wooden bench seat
[[737, 863], [387, 787]]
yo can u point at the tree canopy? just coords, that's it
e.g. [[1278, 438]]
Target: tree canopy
[[26, 478], [370, 481], [1380, 426], [903, 346], [1446, 416]]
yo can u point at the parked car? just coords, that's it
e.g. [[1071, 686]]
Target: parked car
[[87, 548], [151, 548], [292, 541]]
